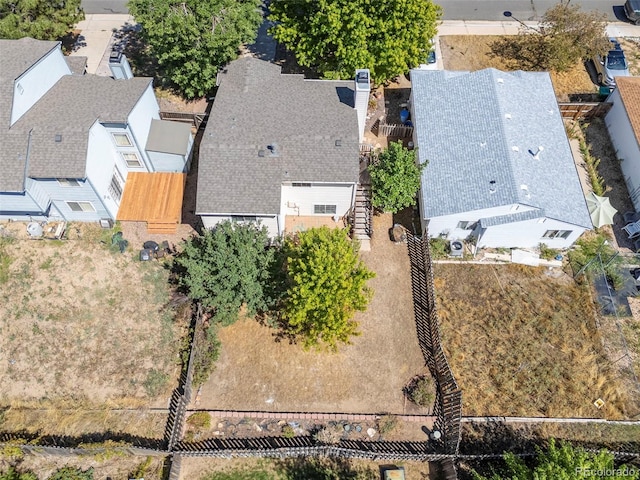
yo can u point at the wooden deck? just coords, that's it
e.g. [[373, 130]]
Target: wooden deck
[[155, 198]]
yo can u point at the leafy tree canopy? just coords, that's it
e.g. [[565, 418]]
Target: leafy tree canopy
[[395, 178], [226, 267], [41, 19], [325, 286], [338, 36], [191, 39], [564, 462], [564, 36]]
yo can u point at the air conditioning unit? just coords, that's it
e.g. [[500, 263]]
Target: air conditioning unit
[[457, 248]]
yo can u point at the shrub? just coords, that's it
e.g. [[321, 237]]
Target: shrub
[[387, 423], [155, 382], [71, 473], [597, 182], [329, 435], [200, 420], [548, 253], [421, 391], [288, 431], [207, 350], [439, 248]]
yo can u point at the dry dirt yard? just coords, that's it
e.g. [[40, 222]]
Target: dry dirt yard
[[472, 52], [255, 372], [522, 341], [83, 328]]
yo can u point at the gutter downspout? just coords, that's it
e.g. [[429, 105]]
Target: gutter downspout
[[26, 162]]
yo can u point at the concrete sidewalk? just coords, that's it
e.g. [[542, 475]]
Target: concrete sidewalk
[[95, 39], [478, 27]]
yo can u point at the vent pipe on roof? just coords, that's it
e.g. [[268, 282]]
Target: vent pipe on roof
[[492, 186], [536, 155], [361, 98]]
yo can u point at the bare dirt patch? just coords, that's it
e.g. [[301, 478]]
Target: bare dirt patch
[[523, 343], [255, 372], [83, 325], [473, 52]]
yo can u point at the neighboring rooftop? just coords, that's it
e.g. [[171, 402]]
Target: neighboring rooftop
[[266, 128], [629, 88], [481, 133], [169, 137], [58, 124]]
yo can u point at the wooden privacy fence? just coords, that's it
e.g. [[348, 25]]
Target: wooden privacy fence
[[448, 405], [583, 110], [393, 130], [195, 119]]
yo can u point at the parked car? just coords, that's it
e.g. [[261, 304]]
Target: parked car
[[632, 10], [614, 64]]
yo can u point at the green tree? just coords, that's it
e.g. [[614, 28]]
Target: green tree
[[564, 462], [12, 474], [395, 178], [191, 39], [338, 36], [564, 36], [325, 286], [227, 267], [71, 473], [41, 19]]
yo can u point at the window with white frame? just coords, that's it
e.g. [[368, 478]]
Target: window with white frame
[[68, 182], [324, 209], [122, 139], [244, 218], [557, 234], [81, 206], [131, 159], [116, 185], [300, 184]]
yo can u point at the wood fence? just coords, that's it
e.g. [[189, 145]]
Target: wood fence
[[448, 405], [393, 130], [195, 119], [583, 110]]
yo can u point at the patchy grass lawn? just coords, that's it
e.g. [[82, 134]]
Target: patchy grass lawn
[[524, 343], [255, 372], [83, 328], [473, 52]]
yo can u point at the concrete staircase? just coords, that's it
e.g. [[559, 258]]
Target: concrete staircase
[[363, 217]]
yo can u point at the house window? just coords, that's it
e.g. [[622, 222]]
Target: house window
[[68, 182], [122, 139], [298, 184], [81, 206], [115, 187], [324, 209], [557, 234], [244, 218], [131, 159], [466, 225]]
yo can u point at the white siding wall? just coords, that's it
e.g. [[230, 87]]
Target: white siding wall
[[36, 81], [529, 234], [13, 205], [39, 195], [102, 156], [626, 145], [300, 200], [84, 192], [144, 159], [167, 162], [140, 117], [271, 222]]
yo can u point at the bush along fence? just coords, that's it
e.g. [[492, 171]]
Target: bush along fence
[[448, 405]]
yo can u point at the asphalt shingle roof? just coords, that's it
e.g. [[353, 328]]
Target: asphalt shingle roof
[[475, 128], [168, 137], [629, 88], [68, 109], [311, 122]]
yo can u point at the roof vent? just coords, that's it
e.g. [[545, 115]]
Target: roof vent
[[273, 149], [261, 153], [483, 144], [515, 149], [338, 142], [507, 116], [501, 81], [492, 186], [536, 155], [525, 189], [58, 138]]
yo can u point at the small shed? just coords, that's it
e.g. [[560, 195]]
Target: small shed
[[169, 145], [396, 473]]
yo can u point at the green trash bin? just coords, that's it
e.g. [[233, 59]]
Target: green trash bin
[[604, 91]]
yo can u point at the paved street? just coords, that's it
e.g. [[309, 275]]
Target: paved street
[[104, 6]]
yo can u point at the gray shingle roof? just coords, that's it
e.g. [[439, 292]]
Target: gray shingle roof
[[257, 106], [485, 126], [69, 108], [168, 137], [511, 218], [77, 64]]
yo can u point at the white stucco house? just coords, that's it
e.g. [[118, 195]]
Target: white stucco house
[[70, 140], [280, 149], [623, 123], [500, 166]]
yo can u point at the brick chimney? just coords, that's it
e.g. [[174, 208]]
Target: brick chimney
[[361, 98]]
